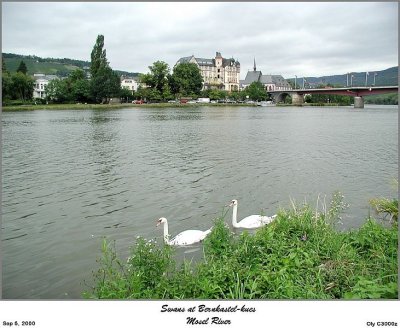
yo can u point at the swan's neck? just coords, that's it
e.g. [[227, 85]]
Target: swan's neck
[[234, 215], [166, 235]]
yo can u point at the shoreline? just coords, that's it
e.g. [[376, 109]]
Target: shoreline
[[151, 105], [110, 106]]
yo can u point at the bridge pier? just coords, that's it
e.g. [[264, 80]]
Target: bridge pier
[[358, 102], [297, 99]]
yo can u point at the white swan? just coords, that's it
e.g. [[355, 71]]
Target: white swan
[[250, 222], [187, 237]]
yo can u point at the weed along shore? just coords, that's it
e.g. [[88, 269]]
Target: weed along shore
[[300, 255]]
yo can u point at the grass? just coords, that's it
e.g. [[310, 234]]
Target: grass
[[299, 256], [387, 207], [66, 106]]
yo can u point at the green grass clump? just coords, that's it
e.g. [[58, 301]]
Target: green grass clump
[[299, 256], [387, 207]]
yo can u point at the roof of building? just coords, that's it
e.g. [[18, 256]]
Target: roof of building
[[135, 78], [184, 60], [252, 76], [230, 62], [279, 80], [205, 61], [39, 76], [257, 76], [266, 79], [209, 61]]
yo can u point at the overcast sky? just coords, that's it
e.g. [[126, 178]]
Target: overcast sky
[[303, 39]]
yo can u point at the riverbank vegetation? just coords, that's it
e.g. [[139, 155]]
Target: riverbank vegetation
[[299, 256], [338, 100], [31, 106], [384, 99], [100, 85]]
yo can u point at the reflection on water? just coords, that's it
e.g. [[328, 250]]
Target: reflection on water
[[72, 177], [177, 114]]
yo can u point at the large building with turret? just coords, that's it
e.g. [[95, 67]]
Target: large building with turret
[[217, 73]]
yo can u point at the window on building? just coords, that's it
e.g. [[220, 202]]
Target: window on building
[[219, 70]]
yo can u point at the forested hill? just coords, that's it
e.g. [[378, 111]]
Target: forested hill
[[386, 77], [56, 66]]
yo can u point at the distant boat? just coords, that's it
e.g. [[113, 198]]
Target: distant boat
[[265, 103]]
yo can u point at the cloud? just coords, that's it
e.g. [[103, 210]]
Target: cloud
[[303, 39]]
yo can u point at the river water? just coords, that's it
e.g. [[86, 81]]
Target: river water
[[71, 177]]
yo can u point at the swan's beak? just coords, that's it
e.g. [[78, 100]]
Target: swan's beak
[[229, 205], [158, 223]]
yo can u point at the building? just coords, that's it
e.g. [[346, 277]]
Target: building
[[41, 82], [217, 73], [270, 82], [130, 83]]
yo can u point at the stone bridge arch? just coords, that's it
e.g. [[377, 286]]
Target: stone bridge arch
[[297, 99], [280, 96]]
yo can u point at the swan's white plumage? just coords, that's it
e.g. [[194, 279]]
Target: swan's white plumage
[[187, 237], [250, 222]]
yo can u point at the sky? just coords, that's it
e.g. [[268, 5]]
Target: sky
[[303, 39]]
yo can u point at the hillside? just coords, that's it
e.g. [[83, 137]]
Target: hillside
[[386, 77], [57, 66]]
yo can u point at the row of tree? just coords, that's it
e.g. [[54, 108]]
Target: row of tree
[[17, 85], [333, 99], [103, 84], [156, 86], [160, 85], [186, 81]]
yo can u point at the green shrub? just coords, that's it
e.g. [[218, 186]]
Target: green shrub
[[298, 256]]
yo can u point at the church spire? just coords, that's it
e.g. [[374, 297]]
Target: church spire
[[255, 64]]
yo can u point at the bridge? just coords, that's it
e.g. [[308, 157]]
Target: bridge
[[356, 92]]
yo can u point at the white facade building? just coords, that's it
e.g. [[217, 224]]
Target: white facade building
[[41, 82], [217, 72], [130, 83]]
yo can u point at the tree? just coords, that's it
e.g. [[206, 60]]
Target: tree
[[105, 82], [76, 75], [98, 56], [142, 93], [22, 68], [80, 90], [74, 88], [5, 82], [17, 85], [218, 94], [21, 86], [186, 79], [3, 66], [321, 98], [126, 94], [237, 95], [256, 91], [58, 91], [157, 82], [104, 85]]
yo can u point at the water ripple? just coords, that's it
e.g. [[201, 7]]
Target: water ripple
[[72, 177]]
